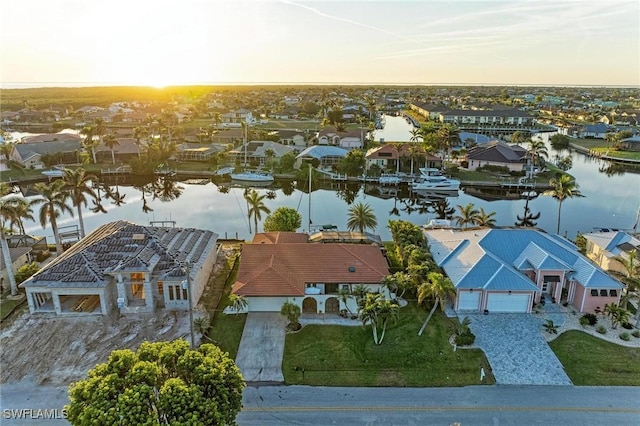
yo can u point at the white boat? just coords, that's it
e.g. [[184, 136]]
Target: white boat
[[252, 176], [56, 171], [224, 171], [432, 179]]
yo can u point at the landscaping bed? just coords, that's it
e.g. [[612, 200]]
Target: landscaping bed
[[346, 356]]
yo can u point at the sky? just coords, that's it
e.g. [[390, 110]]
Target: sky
[[167, 42]]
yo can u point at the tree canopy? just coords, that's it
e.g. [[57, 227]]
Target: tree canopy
[[283, 219], [160, 383]]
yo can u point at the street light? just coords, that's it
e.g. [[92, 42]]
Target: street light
[[187, 284]]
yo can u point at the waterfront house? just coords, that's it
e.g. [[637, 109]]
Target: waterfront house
[[631, 144], [283, 267], [127, 268], [29, 151], [594, 131], [126, 149], [605, 248], [258, 152], [393, 157], [510, 270], [348, 139], [497, 153], [328, 156]]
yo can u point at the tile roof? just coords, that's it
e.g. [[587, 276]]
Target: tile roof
[[283, 269], [280, 237], [494, 258], [122, 246]]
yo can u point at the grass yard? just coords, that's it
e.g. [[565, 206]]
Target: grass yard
[[590, 361], [227, 329], [347, 356]]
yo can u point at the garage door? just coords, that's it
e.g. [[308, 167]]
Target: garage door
[[501, 302], [266, 304], [469, 301]]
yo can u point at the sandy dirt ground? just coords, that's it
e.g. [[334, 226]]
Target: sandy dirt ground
[[59, 350]]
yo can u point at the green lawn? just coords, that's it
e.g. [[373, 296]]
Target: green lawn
[[7, 306], [227, 329], [347, 356], [590, 361], [602, 147]]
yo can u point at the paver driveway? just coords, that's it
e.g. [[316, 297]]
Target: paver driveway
[[516, 350], [262, 347]]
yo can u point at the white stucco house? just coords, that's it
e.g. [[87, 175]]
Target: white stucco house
[[283, 267], [126, 267]]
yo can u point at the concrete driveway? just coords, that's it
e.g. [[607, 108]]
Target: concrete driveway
[[516, 350], [262, 347]]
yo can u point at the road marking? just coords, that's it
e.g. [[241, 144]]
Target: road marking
[[427, 409]]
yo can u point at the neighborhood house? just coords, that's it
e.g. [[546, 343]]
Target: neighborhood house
[[127, 267], [284, 267], [509, 270]]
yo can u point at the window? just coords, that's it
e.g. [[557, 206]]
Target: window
[[594, 292], [161, 288], [603, 293], [613, 293], [171, 293]]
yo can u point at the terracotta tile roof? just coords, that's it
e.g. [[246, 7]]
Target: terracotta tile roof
[[283, 269], [280, 237]]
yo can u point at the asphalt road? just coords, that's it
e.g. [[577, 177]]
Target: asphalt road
[[304, 405]]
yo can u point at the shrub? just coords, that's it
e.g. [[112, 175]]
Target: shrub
[[625, 336], [636, 333], [550, 327], [592, 318], [465, 339], [627, 325], [584, 321], [601, 329]]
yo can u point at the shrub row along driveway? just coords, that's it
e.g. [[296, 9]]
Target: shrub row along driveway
[[516, 350]]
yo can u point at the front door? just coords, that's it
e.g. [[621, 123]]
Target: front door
[[332, 306], [309, 306]]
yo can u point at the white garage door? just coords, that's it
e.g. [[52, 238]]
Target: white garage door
[[501, 302], [469, 301], [266, 304]]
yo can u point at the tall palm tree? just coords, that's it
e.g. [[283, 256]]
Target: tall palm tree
[[631, 275], [20, 210], [256, 207], [486, 219], [78, 185], [88, 132], [528, 219], [110, 141], [563, 187], [8, 212], [53, 201], [437, 288], [537, 152], [361, 217], [468, 215], [447, 136]]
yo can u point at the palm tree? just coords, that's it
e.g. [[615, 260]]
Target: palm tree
[[238, 303], [438, 288], [528, 219], [442, 210], [361, 217], [8, 213], [20, 210], [563, 187], [88, 133], [537, 151], [110, 142], [486, 219], [467, 215], [377, 311], [78, 186], [631, 275], [345, 295], [256, 207], [447, 136], [53, 199]]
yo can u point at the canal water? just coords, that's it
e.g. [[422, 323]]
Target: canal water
[[610, 201]]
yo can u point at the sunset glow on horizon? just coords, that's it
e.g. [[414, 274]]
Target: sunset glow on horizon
[[159, 44]]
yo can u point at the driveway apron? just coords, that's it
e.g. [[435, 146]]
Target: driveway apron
[[516, 350], [262, 347]]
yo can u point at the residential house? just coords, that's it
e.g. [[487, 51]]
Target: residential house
[[348, 139], [631, 144], [23, 250], [126, 267], [594, 131], [509, 270], [238, 116], [607, 247], [275, 269], [429, 111], [198, 152], [126, 149], [391, 157], [29, 150], [497, 153], [228, 136], [293, 137], [257, 152], [328, 156], [514, 117]]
